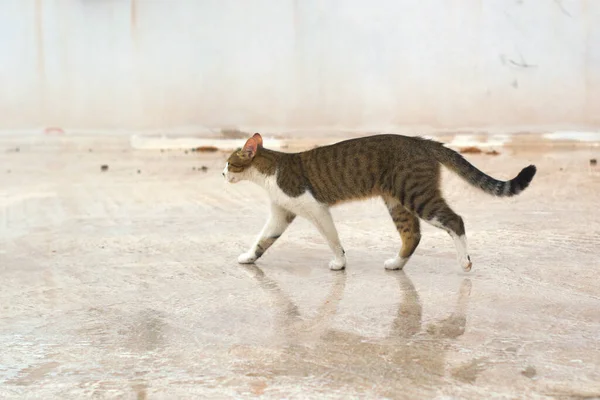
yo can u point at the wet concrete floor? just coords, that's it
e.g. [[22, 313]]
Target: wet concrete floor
[[124, 284]]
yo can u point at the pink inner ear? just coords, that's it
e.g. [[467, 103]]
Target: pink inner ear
[[251, 146]]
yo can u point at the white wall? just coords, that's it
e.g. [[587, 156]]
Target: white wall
[[299, 64]]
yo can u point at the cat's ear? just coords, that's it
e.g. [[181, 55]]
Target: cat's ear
[[258, 139], [252, 145]]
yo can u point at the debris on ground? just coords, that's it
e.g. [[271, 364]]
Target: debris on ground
[[477, 150], [470, 150], [593, 162], [139, 171], [104, 168], [529, 372], [53, 130], [204, 168], [206, 149]]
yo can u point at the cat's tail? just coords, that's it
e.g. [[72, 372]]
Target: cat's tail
[[456, 163]]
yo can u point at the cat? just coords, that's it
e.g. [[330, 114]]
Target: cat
[[404, 171]]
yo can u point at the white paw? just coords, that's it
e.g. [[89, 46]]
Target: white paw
[[337, 263], [395, 263], [247, 258], [465, 263]]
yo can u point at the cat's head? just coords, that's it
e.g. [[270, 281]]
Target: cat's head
[[239, 163]]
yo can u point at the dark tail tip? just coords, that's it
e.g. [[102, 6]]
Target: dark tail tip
[[522, 180]]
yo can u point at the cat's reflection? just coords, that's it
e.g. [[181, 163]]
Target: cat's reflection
[[315, 348], [289, 323]]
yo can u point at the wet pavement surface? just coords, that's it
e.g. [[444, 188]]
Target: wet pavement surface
[[124, 284]]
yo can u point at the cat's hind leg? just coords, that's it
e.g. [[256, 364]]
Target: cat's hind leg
[[409, 229], [440, 215], [278, 221]]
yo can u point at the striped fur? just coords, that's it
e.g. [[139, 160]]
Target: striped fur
[[456, 163]]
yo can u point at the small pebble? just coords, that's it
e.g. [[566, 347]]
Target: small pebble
[[593, 162], [139, 172], [529, 372], [104, 167], [204, 168]]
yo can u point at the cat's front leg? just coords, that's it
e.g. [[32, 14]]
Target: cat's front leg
[[321, 218], [278, 221]]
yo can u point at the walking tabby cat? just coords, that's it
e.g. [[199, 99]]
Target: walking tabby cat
[[404, 171]]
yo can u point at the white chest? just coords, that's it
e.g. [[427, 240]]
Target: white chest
[[302, 205]]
